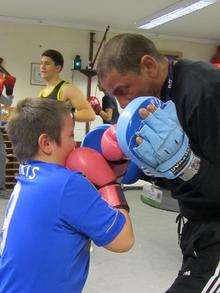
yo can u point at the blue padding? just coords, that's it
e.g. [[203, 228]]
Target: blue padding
[[132, 174], [94, 136], [129, 122]]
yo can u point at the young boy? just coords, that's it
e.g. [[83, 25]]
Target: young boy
[[53, 212]]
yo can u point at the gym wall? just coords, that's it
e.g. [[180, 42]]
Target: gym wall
[[22, 44]]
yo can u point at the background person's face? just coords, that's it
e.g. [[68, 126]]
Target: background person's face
[[126, 87], [48, 68]]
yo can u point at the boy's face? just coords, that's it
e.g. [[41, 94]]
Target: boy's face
[[48, 69], [67, 143]]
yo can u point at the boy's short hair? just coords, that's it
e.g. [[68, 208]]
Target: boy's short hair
[[31, 118]]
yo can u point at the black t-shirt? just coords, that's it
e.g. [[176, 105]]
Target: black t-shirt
[[110, 102], [196, 94]]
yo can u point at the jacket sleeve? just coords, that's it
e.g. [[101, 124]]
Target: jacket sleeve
[[204, 135]]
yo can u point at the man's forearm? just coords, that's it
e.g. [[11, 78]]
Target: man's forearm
[[84, 115], [207, 178], [104, 116]]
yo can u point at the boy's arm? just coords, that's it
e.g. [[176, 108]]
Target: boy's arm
[[125, 239]]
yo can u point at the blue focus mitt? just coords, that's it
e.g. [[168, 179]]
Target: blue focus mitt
[[165, 150]]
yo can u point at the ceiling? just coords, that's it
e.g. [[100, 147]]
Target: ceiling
[[203, 25]]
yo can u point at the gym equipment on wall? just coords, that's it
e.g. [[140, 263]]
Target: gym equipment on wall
[[89, 70]]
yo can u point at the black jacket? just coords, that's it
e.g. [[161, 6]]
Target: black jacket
[[196, 94]]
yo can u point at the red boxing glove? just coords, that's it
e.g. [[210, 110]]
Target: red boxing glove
[[9, 84], [109, 144], [93, 165], [2, 81], [95, 104], [112, 152]]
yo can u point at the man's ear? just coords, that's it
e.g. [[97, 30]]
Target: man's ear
[[59, 68], [45, 144], [149, 66]]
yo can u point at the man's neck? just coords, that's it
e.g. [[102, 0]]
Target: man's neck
[[53, 81], [164, 71], [162, 76]]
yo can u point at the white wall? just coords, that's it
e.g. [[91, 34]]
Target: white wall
[[21, 44]]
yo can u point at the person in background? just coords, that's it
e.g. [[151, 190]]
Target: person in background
[[57, 89], [7, 83], [108, 109], [109, 112], [130, 66], [55, 212]]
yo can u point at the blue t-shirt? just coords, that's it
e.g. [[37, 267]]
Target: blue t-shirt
[[51, 216]]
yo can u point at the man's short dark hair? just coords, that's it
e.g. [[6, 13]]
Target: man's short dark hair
[[56, 56], [31, 118], [124, 52]]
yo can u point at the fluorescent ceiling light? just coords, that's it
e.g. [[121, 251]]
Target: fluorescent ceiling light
[[172, 12]]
